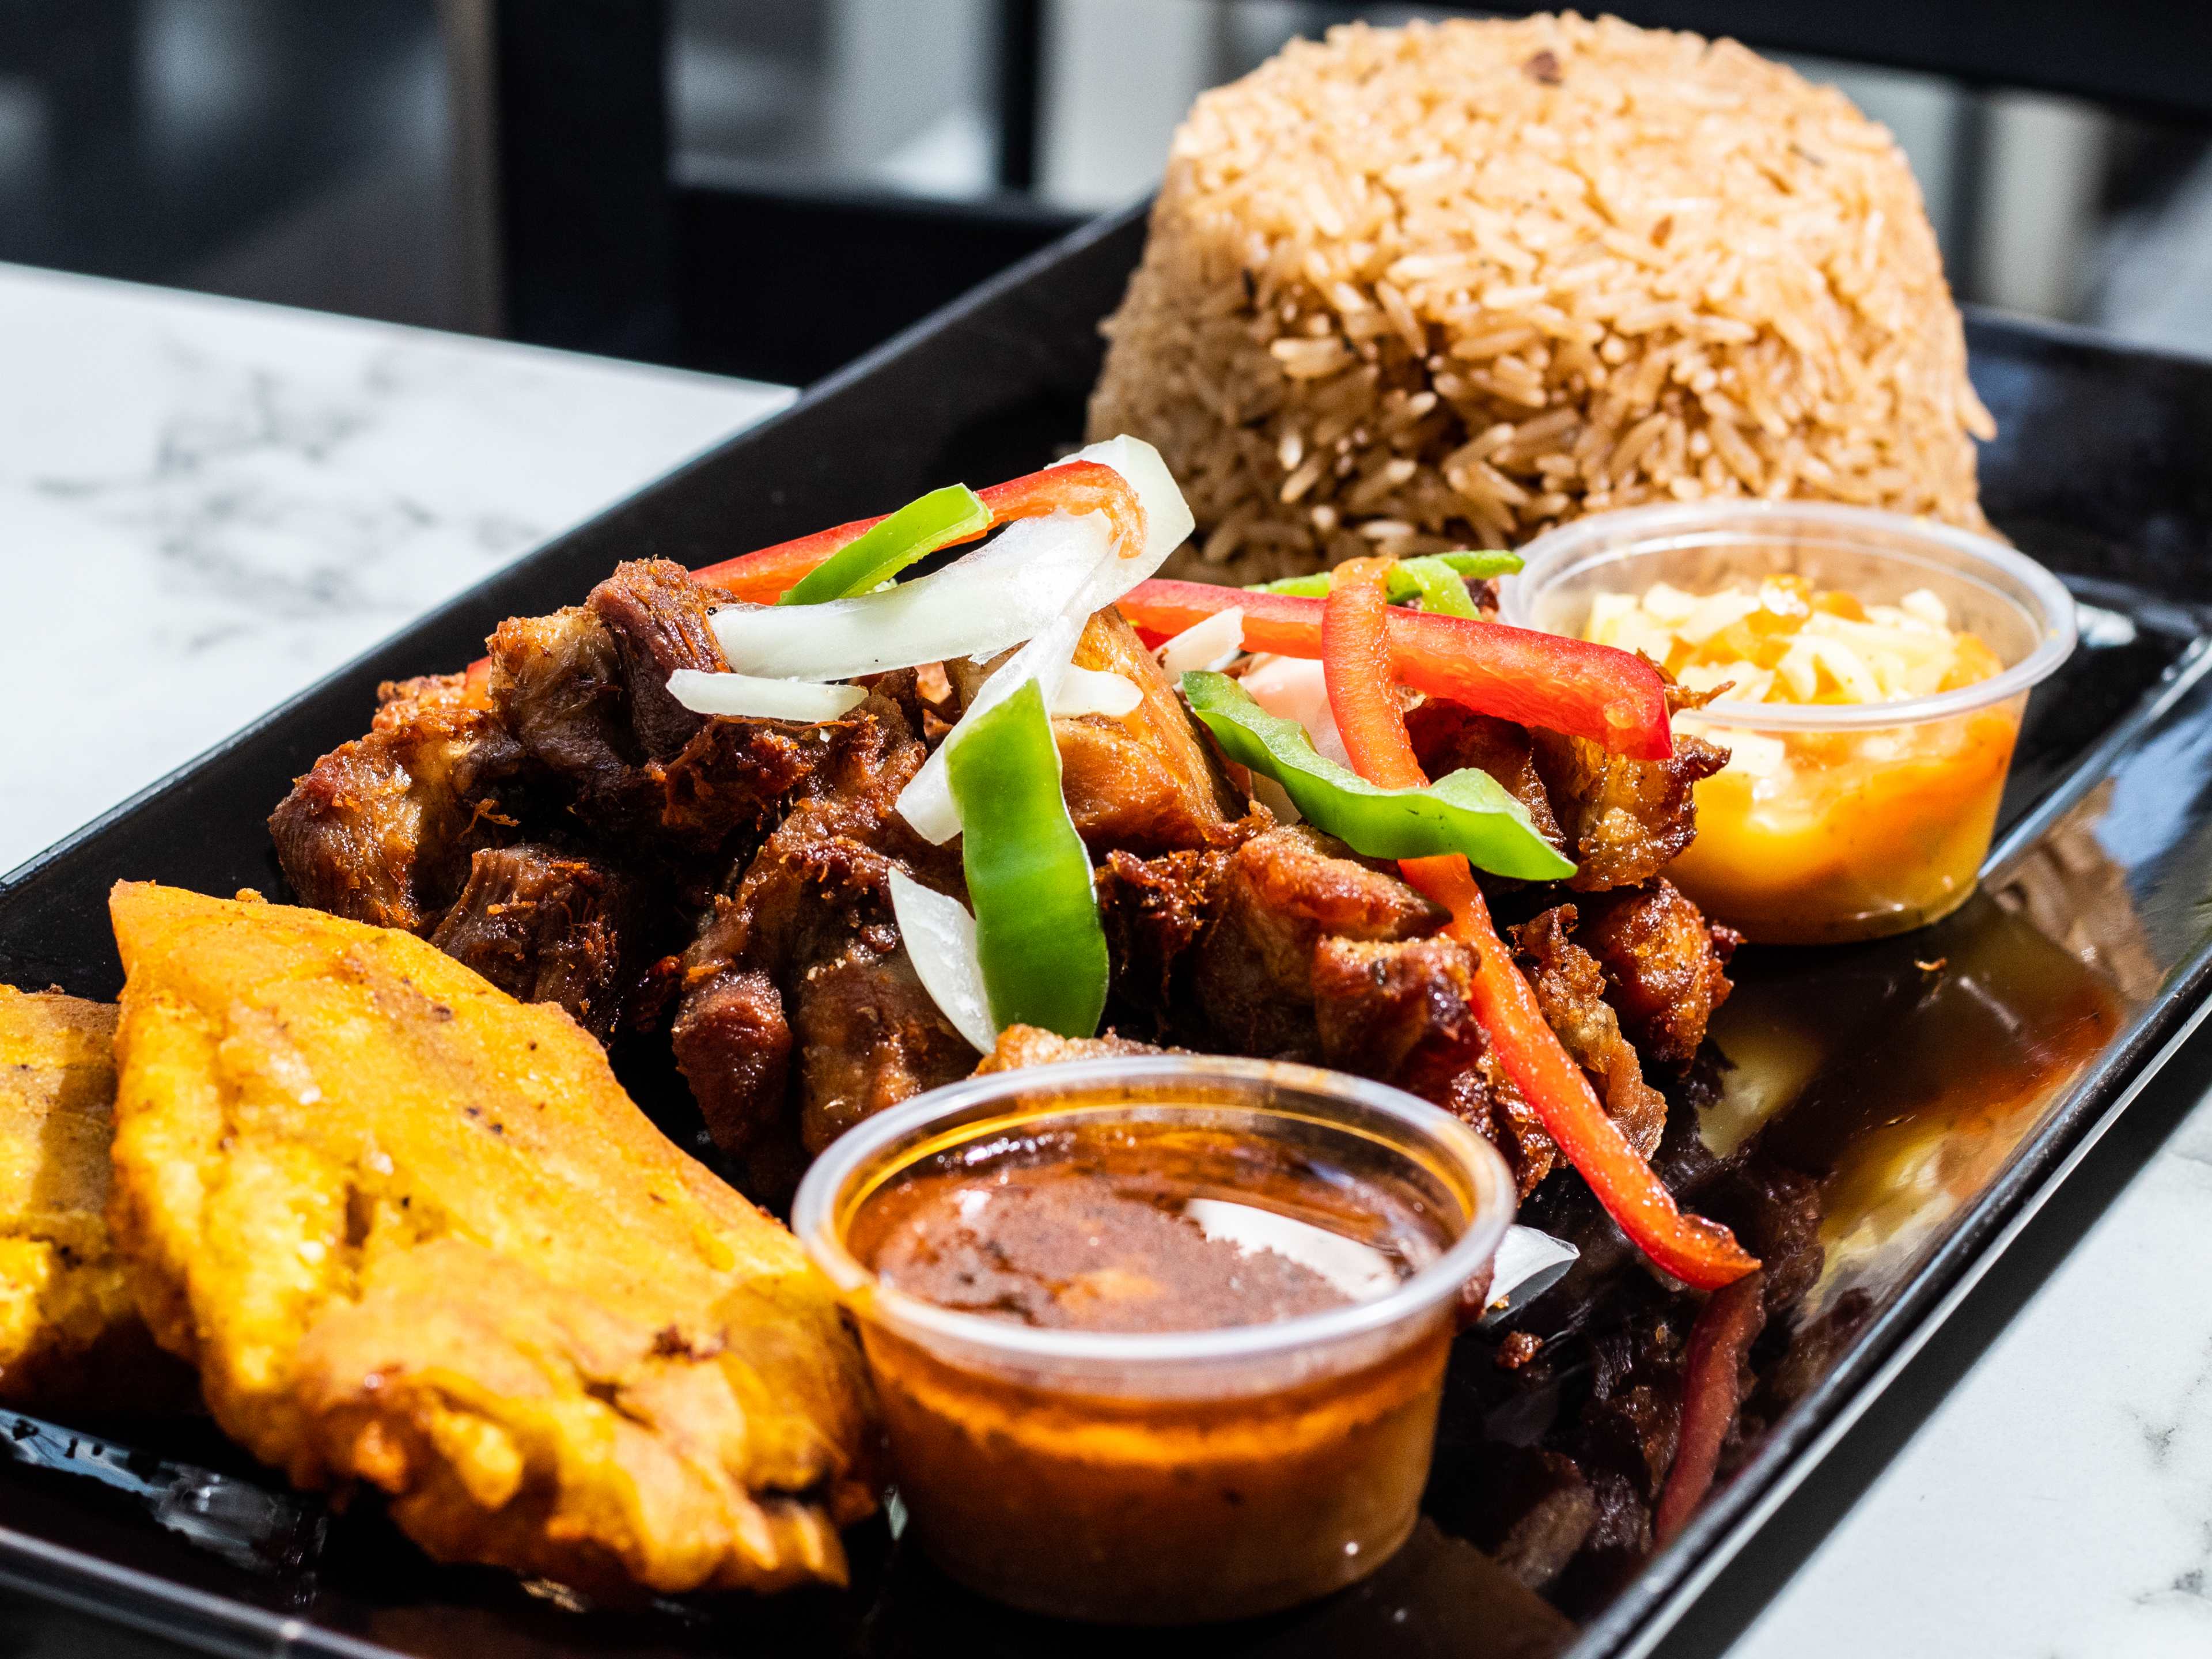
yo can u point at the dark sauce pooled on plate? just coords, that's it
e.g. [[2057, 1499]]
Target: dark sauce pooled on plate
[[1124, 1227]]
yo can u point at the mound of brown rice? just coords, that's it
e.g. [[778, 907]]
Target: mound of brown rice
[[1450, 284]]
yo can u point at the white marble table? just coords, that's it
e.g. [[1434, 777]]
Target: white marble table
[[205, 505]]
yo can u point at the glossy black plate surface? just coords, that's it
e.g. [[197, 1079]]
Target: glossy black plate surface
[[1927, 1091]]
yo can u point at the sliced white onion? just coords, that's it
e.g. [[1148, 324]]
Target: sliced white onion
[[941, 942], [1096, 691], [1206, 646], [749, 696], [978, 605], [927, 801], [1002, 592], [1527, 1263], [1294, 689]]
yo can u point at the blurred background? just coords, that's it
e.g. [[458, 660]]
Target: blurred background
[[768, 187]]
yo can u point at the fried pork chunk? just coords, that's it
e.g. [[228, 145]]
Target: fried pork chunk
[[1216, 947], [801, 957], [69, 1333], [1146, 783], [584, 691], [1021, 1045], [1571, 989], [414, 1235], [1450, 736], [1286, 946], [1665, 966], [543, 927], [1399, 1013], [381, 829], [1621, 820], [557, 823], [1624, 820]]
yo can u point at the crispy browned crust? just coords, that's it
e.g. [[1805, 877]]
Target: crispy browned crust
[[1571, 989], [414, 1234], [1146, 783], [1021, 1045], [381, 829], [801, 961], [1447, 736], [544, 925], [1624, 819], [1666, 967], [71, 1335]]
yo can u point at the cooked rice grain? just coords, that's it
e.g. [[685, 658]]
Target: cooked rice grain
[[1453, 284]]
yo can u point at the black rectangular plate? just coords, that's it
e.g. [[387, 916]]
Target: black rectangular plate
[[2059, 991]]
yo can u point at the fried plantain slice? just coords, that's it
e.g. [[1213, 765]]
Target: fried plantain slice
[[69, 1333], [414, 1234]]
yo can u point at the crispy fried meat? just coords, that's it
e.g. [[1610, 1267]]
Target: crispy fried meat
[[770, 845], [1665, 966], [543, 927], [657, 616], [1286, 947], [1025, 1045], [1624, 819], [585, 692], [1281, 892], [803, 950], [1569, 987], [557, 683], [1450, 736], [1398, 1010], [382, 828], [1146, 783]]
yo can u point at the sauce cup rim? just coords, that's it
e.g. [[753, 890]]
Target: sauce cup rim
[[1602, 538], [815, 1211]]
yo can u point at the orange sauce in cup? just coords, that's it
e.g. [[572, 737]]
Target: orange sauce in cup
[[1816, 836]]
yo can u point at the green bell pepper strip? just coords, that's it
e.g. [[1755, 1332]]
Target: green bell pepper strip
[[942, 517], [1437, 581], [1468, 811], [1038, 937], [1440, 588]]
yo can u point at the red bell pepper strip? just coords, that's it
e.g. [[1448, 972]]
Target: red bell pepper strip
[[1549, 680], [1712, 1373], [1072, 487], [1356, 653]]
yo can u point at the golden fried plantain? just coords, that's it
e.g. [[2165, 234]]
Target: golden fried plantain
[[415, 1234], [70, 1334]]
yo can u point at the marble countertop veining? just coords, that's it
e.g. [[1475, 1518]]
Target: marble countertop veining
[[205, 505]]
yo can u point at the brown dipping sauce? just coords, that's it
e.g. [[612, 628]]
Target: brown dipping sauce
[[1224, 1493], [1107, 1228]]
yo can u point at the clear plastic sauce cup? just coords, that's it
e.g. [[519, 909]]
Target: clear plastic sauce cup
[[1197, 1470], [1831, 821]]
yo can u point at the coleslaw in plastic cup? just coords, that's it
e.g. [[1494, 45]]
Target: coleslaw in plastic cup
[[1834, 820]]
